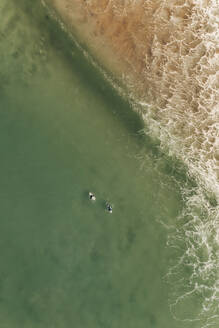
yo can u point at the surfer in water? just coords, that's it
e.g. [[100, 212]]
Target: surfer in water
[[92, 196], [109, 208]]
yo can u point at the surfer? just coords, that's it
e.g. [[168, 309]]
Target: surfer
[[92, 196], [109, 208]]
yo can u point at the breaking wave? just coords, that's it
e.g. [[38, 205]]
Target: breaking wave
[[169, 62]]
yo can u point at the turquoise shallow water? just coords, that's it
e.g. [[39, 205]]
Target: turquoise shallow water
[[63, 132]]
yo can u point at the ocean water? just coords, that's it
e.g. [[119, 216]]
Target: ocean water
[[64, 260], [166, 56]]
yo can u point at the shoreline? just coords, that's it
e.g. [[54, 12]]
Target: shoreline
[[179, 108]]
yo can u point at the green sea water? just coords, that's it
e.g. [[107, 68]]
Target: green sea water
[[65, 261]]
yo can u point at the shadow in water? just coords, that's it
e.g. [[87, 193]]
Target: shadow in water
[[92, 78]]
